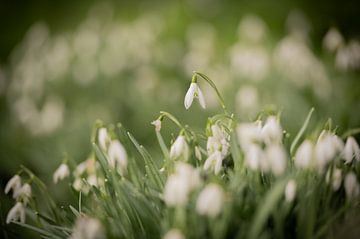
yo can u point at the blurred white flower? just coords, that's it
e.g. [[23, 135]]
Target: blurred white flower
[[16, 213], [247, 100], [332, 40], [157, 124], [290, 191], [214, 162], [351, 185], [348, 57], [174, 234], [103, 138], [304, 155], [61, 172], [117, 156], [194, 91], [271, 131], [179, 185], [210, 201], [351, 150], [248, 134], [87, 228], [179, 148], [335, 179], [326, 148], [219, 141], [277, 158], [13, 184], [23, 194], [254, 156], [252, 28]]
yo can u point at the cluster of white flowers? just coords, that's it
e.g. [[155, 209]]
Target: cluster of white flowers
[[262, 145], [22, 195]]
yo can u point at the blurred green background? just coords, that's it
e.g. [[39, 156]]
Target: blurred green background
[[65, 64]]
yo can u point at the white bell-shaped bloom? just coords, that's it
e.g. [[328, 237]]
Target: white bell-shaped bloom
[[276, 156], [103, 138], [271, 132], [304, 155], [23, 194], [210, 201], [214, 162], [174, 234], [157, 124], [13, 184], [16, 213], [248, 134], [351, 150], [290, 191], [333, 40], [179, 185], [351, 185], [179, 148], [326, 148], [194, 92], [61, 172], [87, 228], [336, 178], [253, 157], [117, 156]]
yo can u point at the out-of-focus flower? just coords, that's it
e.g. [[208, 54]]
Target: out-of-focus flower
[[333, 40], [61, 172], [174, 234], [247, 100], [253, 157], [117, 156], [351, 185], [214, 162], [179, 185], [326, 148], [290, 191], [157, 124], [348, 57], [252, 28], [219, 141], [16, 213], [103, 138], [23, 194], [194, 91], [276, 156], [13, 184], [248, 134], [336, 178], [351, 150], [304, 155], [179, 148], [271, 131], [210, 201], [87, 228]]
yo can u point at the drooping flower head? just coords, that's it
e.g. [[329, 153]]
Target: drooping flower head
[[194, 91]]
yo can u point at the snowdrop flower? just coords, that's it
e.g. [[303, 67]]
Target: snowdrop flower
[[332, 40], [179, 185], [24, 193], [248, 134], [198, 153], [61, 172], [117, 156], [194, 91], [157, 124], [335, 180], [103, 138], [351, 185], [253, 157], [87, 228], [214, 162], [351, 150], [179, 148], [13, 184], [219, 139], [16, 213], [290, 191], [276, 157], [304, 155], [174, 234], [210, 201], [326, 148], [271, 131]]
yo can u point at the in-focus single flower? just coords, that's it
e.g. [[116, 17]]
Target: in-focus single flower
[[13, 184], [194, 92], [174, 234], [16, 213], [210, 201], [271, 132], [23, 194], [214, 162], [103, 138], [179, 148], [290, 191], [351, 150], [61, 172], [351, 185], [157, 124], [87, 228], [304, 155], [277, 158], [117, 156]]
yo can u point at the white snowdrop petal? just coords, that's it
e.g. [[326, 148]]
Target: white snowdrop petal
[[201, 98], [190, 94]]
